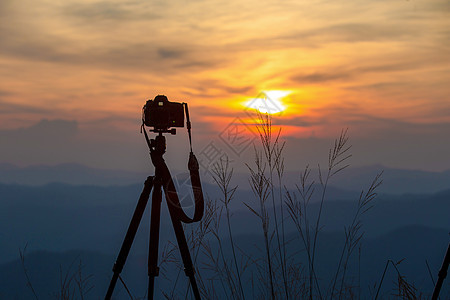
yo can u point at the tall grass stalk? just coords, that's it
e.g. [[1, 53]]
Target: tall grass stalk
[[198, 236], [195, 238], [273, 149], [298, 208], [222, 175], [337, 161], [25, 270], [260, 186], [71, 282], [218, 262], [298, 211], [353, 233], [405, 290]]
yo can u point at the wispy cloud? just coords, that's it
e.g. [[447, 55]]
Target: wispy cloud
[[346, 61], [320, 78]]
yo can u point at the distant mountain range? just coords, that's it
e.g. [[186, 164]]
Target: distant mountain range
[[395, 181], [68, 214], [67, 173], [50, 272], [62, 217]]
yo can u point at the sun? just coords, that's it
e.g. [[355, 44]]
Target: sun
[[269, 102]]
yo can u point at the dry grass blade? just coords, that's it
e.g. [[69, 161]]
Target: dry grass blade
[[336, 157], [353, 233], [339, 154], [83, 283], [273, 150], [25, 270], [253, 210], [222, 175], [405, 290]]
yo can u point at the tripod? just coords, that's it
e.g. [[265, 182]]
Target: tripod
[[161, 180]]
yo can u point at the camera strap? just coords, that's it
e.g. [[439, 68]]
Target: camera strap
[[172, 196], [194, 173], [188, 125], [145, 134]]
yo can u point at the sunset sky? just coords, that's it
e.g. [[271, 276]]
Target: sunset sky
[[74, 76]]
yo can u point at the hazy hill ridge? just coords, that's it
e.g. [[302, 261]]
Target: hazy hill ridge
[[413, 244], [395, 181], [74, 207], [96, 216]]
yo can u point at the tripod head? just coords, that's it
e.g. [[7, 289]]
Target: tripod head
[[158, 144]]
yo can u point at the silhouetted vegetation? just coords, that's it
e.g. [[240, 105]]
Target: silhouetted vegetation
[[277, 264], [279, 271]]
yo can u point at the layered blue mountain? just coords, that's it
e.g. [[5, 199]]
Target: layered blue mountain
[[69, 220]]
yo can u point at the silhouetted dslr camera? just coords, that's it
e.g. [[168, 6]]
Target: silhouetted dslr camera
[[162, 114]]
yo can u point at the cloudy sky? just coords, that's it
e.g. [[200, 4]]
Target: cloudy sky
[[74, 76]]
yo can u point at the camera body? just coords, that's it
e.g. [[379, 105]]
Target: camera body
[[162, 114]]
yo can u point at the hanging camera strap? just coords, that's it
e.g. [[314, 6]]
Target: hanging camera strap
[[194, 173], [188, 126], [172, 196]]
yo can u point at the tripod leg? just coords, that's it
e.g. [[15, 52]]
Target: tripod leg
[[184, 250], [442, 274], [129, 237], [153, 269]]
